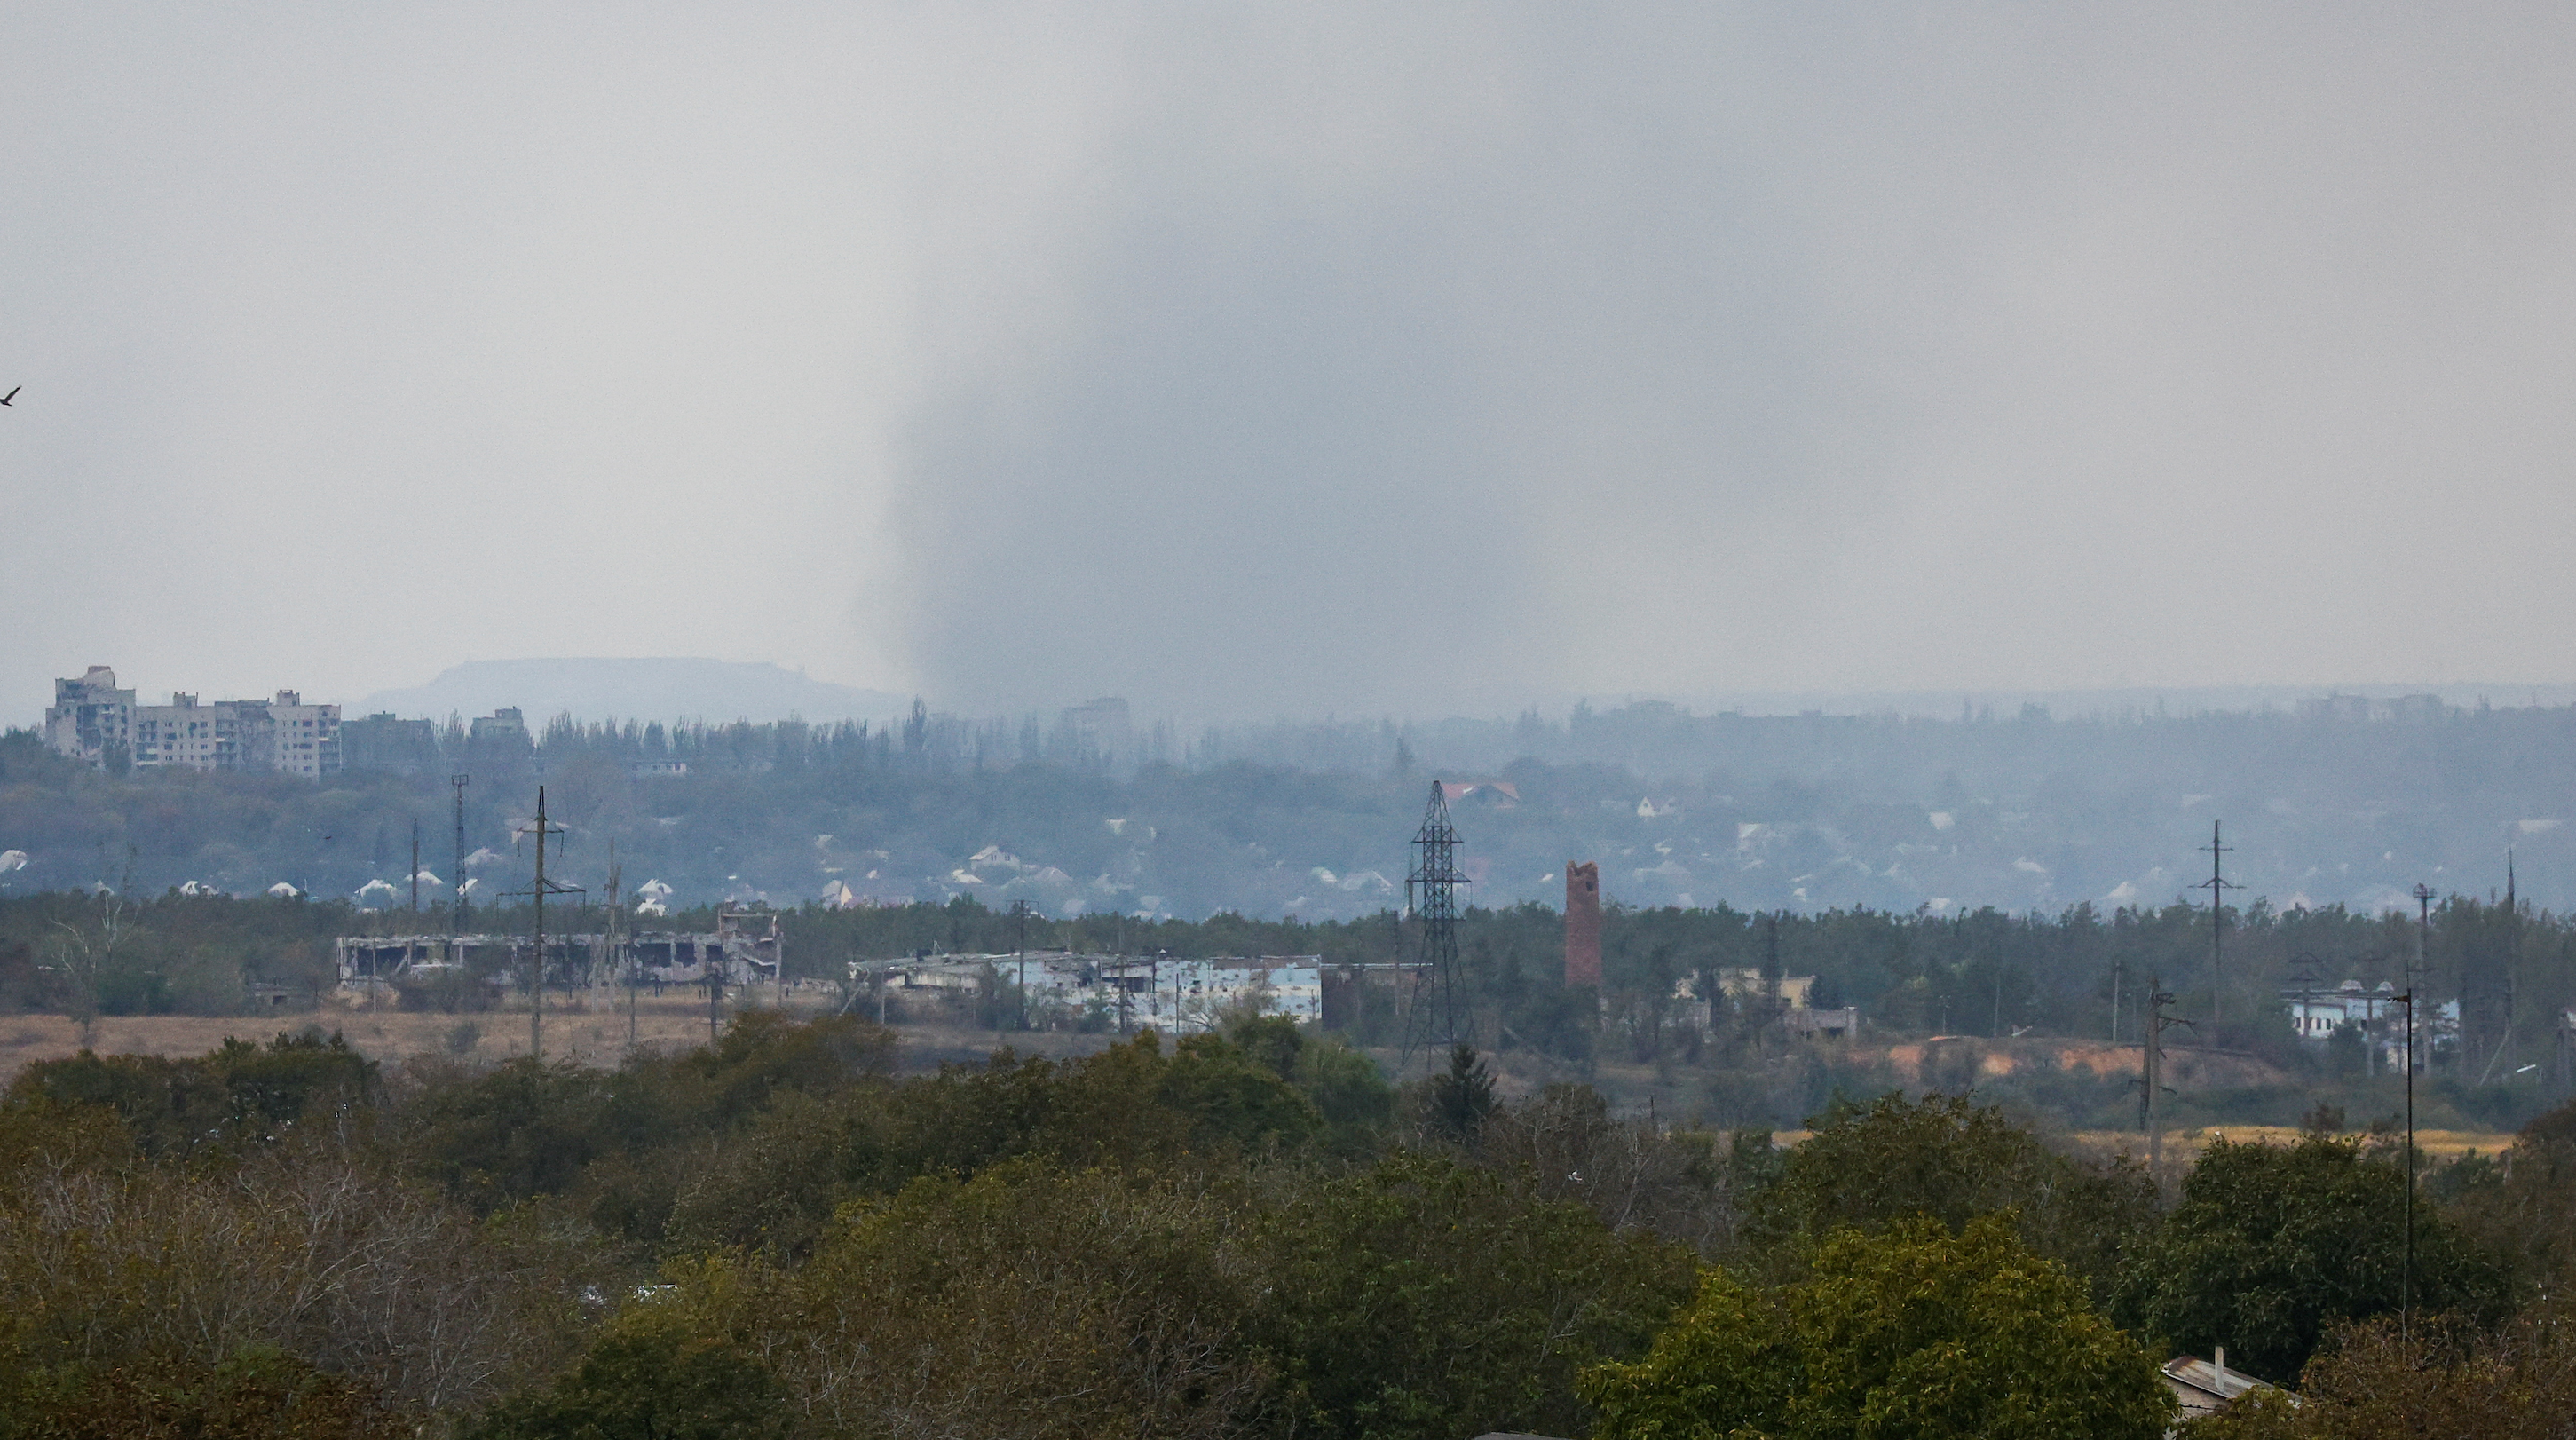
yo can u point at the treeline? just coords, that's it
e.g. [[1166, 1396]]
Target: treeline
[[1238, 1235], [2082, 974]]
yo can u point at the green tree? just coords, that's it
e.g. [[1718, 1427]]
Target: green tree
[[1427, 1298], [2515, 1381], [1914, 1331], [256, 1394], [1946, 1159], [650, 1377], [2523, 1208], [236, 1096], [1027, 1300], [1455, 1102], [2273, 1245]]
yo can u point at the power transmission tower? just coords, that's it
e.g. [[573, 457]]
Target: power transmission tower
[[1431, 889], [2217, 885], [537, 893]]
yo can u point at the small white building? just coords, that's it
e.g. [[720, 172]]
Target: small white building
[[2377, 1016], [1743, 985]]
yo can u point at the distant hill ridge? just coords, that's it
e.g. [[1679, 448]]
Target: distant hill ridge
[[652, 689]]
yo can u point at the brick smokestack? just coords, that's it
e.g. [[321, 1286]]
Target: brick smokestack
[[1582, 925]]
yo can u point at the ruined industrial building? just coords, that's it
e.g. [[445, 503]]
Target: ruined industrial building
[[745, 948], [1062, 990]]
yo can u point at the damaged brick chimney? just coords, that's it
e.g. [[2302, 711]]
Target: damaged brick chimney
[[1582, 925]]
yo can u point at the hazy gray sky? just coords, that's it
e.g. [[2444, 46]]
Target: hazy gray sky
[[1258, 360]]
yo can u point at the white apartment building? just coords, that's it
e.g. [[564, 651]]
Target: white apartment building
[[306, 737], [91, 718]]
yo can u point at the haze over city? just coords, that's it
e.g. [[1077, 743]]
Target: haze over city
[[854, 721]]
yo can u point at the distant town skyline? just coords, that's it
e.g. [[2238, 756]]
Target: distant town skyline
[[594, 688]]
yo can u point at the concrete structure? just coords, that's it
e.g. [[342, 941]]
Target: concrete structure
[[1582, 925], [280, 734], [1743, 985], [745, 949], [94, 722], [306, 737], [1098, 730], [90, 719], [1065, 989], [386, 742]]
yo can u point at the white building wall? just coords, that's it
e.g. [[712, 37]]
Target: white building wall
[[283, 734]]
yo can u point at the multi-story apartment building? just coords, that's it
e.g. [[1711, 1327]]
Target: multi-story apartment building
[[386, 741], [189, 735], [306, 737], [91, 721], [90, 718]]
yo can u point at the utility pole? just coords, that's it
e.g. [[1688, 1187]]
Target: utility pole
[[2217, 885], [2152, 1079], [2406, 1266], [456, 877], [616, 947], [537, 893], [1020, 912], [2406, 1281], [714, 966], [410, 945], [2119, 968]]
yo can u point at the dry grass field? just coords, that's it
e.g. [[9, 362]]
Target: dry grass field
[[2182, 1145], [594, 1032]]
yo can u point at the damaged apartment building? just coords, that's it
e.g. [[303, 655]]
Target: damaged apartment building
[[94, 722]]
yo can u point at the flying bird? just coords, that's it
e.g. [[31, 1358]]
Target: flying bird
[[12, 395]]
